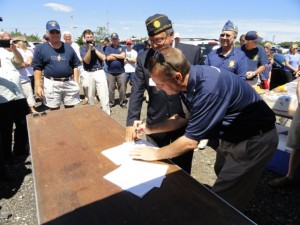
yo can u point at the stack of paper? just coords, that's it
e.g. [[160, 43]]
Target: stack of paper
[[137, 177]]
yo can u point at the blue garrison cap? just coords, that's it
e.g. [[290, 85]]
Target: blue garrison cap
[[229, 26]]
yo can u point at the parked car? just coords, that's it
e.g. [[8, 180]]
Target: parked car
[[279, 49], [31, 45], [206, 44]]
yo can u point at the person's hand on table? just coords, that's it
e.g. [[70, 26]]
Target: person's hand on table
[[131, 134], [144, 153]]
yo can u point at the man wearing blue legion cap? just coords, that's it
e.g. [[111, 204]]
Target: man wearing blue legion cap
[[227, 57]]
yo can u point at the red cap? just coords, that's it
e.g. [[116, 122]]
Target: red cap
[[128, 42]]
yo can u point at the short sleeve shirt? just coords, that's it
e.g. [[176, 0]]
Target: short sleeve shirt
[[115, 66], [235, 61], [224, 106], [255, 57], [10, 86], [95, 62], [294, 61], [56, 63]]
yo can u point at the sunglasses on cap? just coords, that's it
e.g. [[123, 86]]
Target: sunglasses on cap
[[161, 59]]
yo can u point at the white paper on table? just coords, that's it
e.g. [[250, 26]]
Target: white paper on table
[[120, 154], [138, 177]]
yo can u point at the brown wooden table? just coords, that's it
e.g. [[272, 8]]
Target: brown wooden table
[[68, 170]]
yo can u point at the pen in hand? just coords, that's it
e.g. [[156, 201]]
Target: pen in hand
[[139, 125]]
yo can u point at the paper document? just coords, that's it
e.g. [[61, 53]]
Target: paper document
[[120, 154], [137, 177]]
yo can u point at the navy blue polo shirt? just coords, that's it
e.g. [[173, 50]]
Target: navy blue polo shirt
[[115, 67], [256, 57], [56, 63], [235, 61], [95, 62], [224, 106]]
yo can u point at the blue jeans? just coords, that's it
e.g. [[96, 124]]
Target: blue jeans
[[129, 76]]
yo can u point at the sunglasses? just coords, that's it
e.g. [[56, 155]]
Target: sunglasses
[[54, 32], [295, 48], [223, 35], [37, 114], [161, 59]]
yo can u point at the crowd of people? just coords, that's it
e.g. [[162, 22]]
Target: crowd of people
[[189, 99]]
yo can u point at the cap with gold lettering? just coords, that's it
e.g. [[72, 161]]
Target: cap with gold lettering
[[157, 23]]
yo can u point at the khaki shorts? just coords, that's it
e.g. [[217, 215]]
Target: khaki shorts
[[27, 90], [57, 92], [293, 138]]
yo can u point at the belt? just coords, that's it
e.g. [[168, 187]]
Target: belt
[[60, 78], [264, 130], [94, 69]]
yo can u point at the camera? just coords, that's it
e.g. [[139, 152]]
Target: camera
[[5, 43], [89, 42]]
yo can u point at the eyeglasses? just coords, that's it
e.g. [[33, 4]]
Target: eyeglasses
[[223, 35], [295, 48], [37, 114], [54, 32], [158, 41], [161, 59]]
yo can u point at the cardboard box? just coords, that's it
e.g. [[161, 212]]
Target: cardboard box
[[280, 161]]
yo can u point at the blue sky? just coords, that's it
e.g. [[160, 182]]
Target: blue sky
[[273, 20]]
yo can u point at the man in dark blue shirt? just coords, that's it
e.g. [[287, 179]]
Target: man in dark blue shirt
[[93, 61], [257, 58], [221, 105], [60, 64], [227, 56], [160, 106], [115, 56]]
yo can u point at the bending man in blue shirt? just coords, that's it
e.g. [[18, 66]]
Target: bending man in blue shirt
[[220, 105]]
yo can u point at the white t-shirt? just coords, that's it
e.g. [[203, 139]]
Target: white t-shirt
[[26, 72], [10, 86], [130, 66], [76, 48]]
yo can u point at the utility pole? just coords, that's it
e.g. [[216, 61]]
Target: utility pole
[[107, 23], [274, 39]]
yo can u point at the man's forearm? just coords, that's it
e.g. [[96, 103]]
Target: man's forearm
[[176, 148], [76, 75], [38, 78], [173, 123]]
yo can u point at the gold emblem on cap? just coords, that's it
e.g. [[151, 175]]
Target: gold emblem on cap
[[156, 24]]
